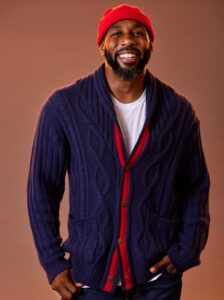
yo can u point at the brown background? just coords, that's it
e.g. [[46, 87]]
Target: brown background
[[48, 44]]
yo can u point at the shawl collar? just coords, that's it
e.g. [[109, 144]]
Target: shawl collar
[[103, 92]]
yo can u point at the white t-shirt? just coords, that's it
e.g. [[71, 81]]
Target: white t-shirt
[[131, 118]]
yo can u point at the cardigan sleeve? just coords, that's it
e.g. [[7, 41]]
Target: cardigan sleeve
[[45, 190], [193, 188]]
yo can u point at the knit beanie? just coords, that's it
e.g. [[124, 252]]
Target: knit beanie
[[122, 12]]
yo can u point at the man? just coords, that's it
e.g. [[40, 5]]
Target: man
[[138, 214]]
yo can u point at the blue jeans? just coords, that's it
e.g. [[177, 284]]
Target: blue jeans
[[166, 287]]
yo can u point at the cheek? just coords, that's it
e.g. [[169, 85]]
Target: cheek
[[145, 48], [111, 51], [145, 44], [111, 44], [110, 47]]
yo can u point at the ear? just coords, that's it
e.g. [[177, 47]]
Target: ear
[[101, 48]]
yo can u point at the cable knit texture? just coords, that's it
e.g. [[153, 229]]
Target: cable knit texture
[[169, 183]]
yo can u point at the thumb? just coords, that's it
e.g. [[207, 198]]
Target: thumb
[[160, 264], [78, 284]]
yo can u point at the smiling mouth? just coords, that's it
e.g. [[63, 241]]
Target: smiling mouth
[[127, 57]]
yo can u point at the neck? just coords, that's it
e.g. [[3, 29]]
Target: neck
[[126, 91]]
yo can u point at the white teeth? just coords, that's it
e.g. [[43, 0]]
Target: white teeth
[[127, 55]]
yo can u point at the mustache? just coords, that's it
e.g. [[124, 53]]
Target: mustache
[[134, 50]]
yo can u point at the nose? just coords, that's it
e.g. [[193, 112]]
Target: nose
[[127, 40]]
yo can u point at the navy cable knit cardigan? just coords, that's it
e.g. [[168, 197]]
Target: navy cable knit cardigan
[[167, 205]]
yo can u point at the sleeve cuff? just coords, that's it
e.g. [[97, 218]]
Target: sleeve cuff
[[57, 268], [182, 260]]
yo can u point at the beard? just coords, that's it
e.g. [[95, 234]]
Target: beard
[[128, 74]]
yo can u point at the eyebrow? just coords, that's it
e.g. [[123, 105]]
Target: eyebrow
[[117, 26]]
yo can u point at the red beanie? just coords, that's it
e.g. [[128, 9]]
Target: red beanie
[[122, 12]]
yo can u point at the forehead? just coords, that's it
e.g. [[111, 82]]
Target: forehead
[[127, 24]]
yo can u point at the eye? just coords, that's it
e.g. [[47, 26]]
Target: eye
[[138, 33], [115, 34]]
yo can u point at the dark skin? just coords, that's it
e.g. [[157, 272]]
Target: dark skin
[[65, 285], [120, 35]]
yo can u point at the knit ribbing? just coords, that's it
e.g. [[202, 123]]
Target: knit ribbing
[[46, 186]]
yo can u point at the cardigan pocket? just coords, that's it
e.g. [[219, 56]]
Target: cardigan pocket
[[160, 234], [88, 239]]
